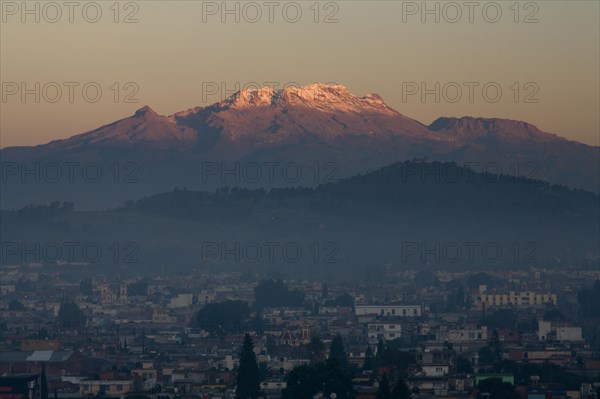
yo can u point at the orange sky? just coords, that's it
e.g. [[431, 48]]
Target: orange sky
[[543, 56]]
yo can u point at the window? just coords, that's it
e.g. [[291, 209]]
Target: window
[[119, 387]]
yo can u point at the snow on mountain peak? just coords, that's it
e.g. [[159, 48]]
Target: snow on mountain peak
[[327, 97], [317, 93], [252, 97]]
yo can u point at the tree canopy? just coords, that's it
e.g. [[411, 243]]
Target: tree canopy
[[223, 317], [497, 389], [271, 293], [328, 377], [70, 316]]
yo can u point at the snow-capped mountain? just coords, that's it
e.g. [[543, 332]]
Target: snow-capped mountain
[[314, 124]]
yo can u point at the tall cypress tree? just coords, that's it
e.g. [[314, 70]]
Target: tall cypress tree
[[248, 378], [44, 383], [337, 351], [368, 364], [383, 392], [401, 390], [380, 349], [316, 350]]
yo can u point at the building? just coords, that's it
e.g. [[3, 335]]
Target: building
[[523, 299], [123, 293], [107, 294], [434, 385], [40, 345], [548, 331], [272, 389], [389, 310], [181, 301], [436, 370], [385, 332], [462, 335], [163, 316], [57, 363], [114, 388]]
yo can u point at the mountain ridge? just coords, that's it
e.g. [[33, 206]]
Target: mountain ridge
[[325, 98], [317, 123]]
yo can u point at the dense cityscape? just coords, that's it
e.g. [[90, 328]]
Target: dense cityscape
[[67, 333]]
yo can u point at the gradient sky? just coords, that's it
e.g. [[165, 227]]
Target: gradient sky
[[374, 47]]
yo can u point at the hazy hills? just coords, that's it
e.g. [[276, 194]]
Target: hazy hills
[[402, 216]]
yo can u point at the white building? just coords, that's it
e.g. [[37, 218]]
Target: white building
[[389, 310], [163, 316], [181, 301], [547, 331], [435, 370], [386, 332], [523, 298], [462, 335]]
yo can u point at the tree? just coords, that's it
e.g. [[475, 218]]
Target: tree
[[589, 301], [44, 383], [481, 278], [328, 377], [316, 350], [554, 315], [502, 318], [248, 378], [380, 349], [15, 305], [86, 287], [343, 300], [487, 356], [424, 279], [23, 286], [398, 359], [337, 351], [324, 291], [222, 317], [368, 363], [497, 389], [463, 365], [138, 288], [401, 390], [456, 299], [384, 392], [259, 324], [264, 370], [271, 293], [69, 315]]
